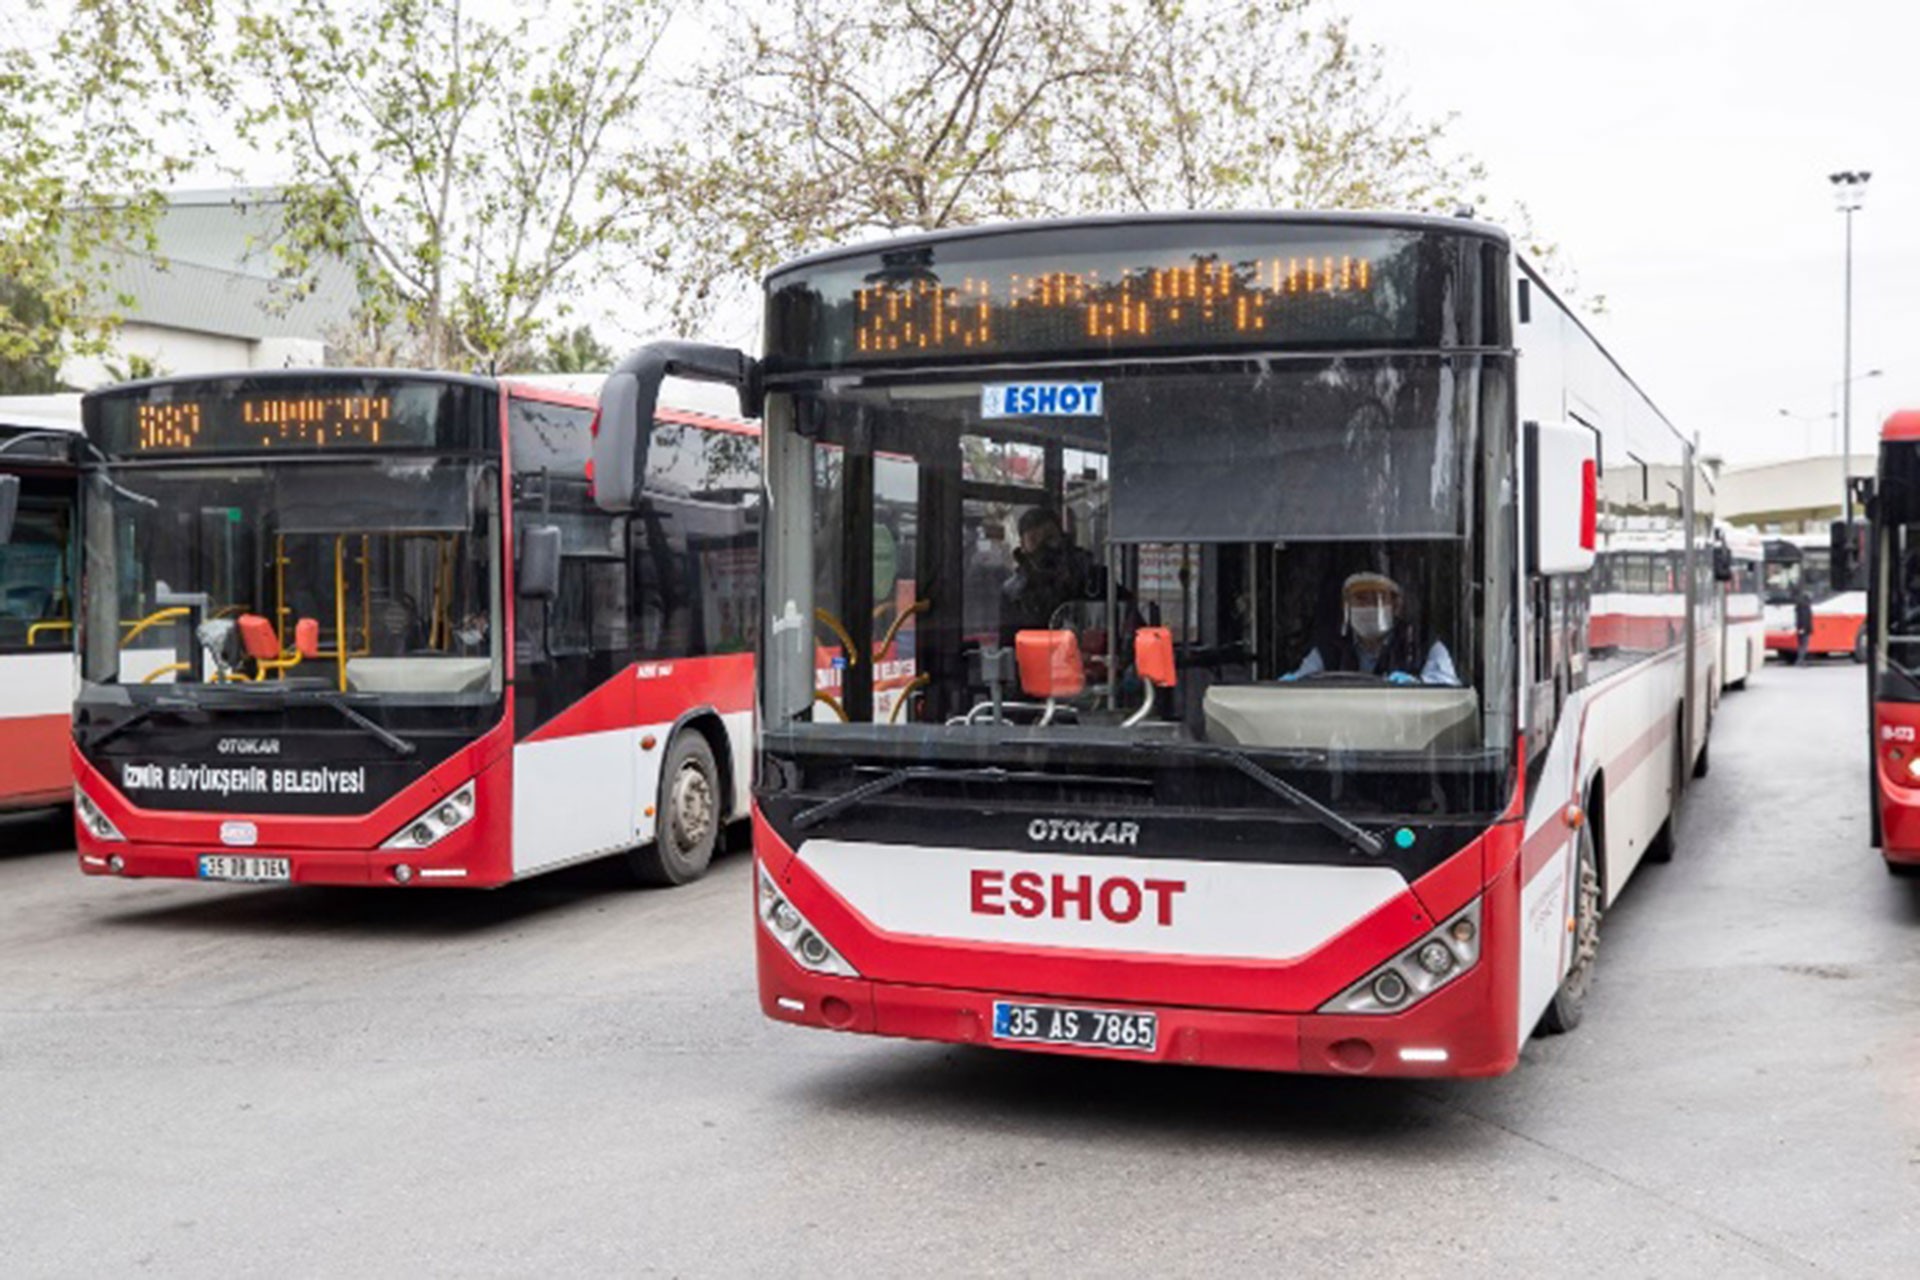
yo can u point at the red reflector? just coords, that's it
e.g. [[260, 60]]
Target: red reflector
[[593, 428], [590, 491], [1589, 504]]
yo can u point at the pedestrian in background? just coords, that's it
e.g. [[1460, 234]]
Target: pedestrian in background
[[1802, 622]]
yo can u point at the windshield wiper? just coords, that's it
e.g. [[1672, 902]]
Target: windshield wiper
[[1365, 841], [140, 716], [326, 698], [993, 773]]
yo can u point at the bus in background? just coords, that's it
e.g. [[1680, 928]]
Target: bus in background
[[1805, 562], [39, 466], [1893, 673], [1152, 795], [1740, 557], [358, 627]]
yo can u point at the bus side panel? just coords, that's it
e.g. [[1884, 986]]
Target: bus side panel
[[1546, 871], [36, 701]]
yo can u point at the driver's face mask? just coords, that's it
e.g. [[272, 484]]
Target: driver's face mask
[[1370, 620]]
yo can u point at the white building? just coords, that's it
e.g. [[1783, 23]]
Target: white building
[[1800, 495], [210, 300]]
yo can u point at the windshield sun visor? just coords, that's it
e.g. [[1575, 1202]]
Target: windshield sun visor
[[1361, 451], [414, 497]]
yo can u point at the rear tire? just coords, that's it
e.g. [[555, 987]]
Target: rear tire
[[689, 816], [1569, 1002], [1701, 763], [1860, 644]]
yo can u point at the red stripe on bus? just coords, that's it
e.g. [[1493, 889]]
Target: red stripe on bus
[[656, 692], [33, 765]]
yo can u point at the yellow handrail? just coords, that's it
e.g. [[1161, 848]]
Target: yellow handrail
[[340, 608], [839, 629], [914, 686], [154, 619], [33, 632], [918, 606], [170, 669]]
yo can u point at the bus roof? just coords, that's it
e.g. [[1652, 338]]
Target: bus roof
[[1902, 424], [1279, 217]]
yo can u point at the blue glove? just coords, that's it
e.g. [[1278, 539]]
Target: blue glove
[[1401, 677]]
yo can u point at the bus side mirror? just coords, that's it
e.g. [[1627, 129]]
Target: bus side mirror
[[537, 571], [9, 506], [1722, 563], [1563, 498], [623, 425]]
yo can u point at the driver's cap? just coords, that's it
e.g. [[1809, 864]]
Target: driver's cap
[[1369, 582]]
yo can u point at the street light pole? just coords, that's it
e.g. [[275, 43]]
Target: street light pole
[[1850, 192]]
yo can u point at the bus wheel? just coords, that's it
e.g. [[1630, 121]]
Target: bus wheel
[[1700, 762], [1563, 1012], [1903, 870], [1860, 645], [689, 821]]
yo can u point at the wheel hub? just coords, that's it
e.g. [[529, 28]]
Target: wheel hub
[[692, 797]]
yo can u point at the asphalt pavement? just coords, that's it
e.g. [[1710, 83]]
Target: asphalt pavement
[[572, 1077]]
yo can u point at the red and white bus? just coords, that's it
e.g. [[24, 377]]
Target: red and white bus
[[357, 627], [39, 461], [1893, 675], [1806, 562], [1150, 797], [1740, 558]]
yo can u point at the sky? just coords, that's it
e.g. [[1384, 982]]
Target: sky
[[1678, 151]]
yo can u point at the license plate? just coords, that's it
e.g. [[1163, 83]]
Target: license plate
[[1062, 1024], [234, 866]]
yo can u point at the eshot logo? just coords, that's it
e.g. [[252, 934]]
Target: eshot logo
[[1040, 400]]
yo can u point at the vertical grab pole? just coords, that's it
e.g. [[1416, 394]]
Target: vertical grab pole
[[340, 608]]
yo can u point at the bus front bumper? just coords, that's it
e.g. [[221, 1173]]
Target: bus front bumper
[[1448, 1034]]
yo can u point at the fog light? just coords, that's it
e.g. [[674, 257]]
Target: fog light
[[812, 949], [785, 918], [1389, 988], [1436, 957], [116, 864], [402, 873]]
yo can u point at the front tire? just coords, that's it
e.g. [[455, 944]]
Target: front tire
[[1860, 644], [689, 816], [1569, 1002]]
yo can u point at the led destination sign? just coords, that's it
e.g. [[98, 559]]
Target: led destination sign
[[267, 414], [1112, 288]]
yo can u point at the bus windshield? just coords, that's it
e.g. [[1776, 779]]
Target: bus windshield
[[1313, 536], [373, 577]]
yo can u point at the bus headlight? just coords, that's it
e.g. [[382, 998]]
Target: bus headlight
[[98, 824], [1419, 971], [437, 823], [796, 933]]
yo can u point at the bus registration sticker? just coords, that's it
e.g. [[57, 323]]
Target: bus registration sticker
[[1062, 1024], [1041, 400]]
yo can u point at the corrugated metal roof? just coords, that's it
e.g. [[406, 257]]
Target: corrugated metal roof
[[215, 273]]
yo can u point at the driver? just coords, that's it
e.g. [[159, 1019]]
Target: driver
[[1048, 571], [1377, 638]]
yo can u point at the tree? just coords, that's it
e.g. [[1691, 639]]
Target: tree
[[463, 166], [827, 122], [90, 93], [573, 350], [1265, 104]]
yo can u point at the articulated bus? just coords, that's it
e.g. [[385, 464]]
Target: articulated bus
[[1263, 710], [369, 627], [1806, 562], [1893, 676], [39, 461], [1740, 556]]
